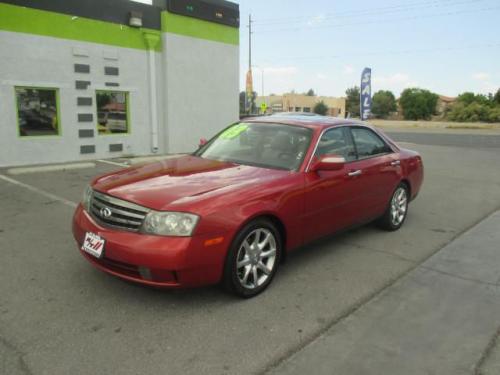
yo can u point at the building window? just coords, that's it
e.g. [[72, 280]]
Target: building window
[[112, 112], [298, 109], [307, 109], [37, 111]]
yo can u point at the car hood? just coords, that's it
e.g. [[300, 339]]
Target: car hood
[[158, 185]]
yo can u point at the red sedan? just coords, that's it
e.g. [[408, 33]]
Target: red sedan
[[232, 210]]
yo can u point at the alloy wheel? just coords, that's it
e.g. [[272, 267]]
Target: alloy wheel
[[399, 206], [256, 258]]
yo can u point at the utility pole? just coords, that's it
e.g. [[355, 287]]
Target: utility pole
[[250, 42], [249, 84]]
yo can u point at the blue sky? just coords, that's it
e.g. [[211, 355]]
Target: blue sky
[[447, 46]]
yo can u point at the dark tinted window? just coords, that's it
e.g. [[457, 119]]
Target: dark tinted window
[[37, 111], [112, 108], [336, 142], [368, 143]]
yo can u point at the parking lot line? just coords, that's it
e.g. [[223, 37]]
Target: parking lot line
[[49, 168], [39, 191]]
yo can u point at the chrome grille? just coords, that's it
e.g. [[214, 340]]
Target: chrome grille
[[117, 213]]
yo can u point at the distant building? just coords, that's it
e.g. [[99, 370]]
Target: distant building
[[301, 103], [443, 104]]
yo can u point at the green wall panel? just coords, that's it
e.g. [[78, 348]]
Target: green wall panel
[[39, 22], [196, 28]]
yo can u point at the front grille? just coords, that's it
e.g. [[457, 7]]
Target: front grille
[[117, 213]]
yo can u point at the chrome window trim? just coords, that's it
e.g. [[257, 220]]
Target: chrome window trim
[[348, 125]]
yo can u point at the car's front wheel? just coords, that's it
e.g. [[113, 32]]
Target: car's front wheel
[[253, 259], [397, 210]]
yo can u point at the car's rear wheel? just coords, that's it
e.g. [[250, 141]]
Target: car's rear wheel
[[253, 259], [396, 212]]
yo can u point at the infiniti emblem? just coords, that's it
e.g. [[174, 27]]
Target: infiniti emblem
[[105, 212]]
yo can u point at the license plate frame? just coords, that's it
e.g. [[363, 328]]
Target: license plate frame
[[94, 244]]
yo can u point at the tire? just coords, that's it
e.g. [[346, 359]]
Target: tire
[[253, 259], [397, 209]]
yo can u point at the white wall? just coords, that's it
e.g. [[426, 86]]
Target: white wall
[[198, 94], [31, 60], [202, 89]]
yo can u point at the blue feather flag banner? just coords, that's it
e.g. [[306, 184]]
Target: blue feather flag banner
[[366, 94]]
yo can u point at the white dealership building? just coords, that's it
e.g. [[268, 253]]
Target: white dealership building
[[98, 79]]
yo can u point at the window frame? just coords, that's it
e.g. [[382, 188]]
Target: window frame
[[349, 127], [127, 109], [58, 112], [389, 148], [346, 132]]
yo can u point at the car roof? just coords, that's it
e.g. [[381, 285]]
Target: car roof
[[309, 120]]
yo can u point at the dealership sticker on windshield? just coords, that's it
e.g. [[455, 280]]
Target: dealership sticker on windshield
[[234, 131], [93, 244]]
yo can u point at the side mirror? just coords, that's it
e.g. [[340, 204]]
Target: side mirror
[[328, 163], [203, 142]]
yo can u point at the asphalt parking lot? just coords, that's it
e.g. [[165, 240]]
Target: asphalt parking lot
[[58, 315]]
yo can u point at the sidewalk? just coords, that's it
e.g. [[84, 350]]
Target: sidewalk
[[441, 318]]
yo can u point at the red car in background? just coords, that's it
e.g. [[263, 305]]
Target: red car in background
[[232, 210]]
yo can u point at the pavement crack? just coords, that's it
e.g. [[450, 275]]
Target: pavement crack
[[486, 353], [21, 363], [383, 252], [458, 276]]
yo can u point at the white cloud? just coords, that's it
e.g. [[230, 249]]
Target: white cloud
[[395, 79], [321, 76], [281, 70], [316, 20], [481, 76], [396, 82], [348, 69]]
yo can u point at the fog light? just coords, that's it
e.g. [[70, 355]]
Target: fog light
[[145, 273]]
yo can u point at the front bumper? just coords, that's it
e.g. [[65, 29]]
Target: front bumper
[[170, 262]]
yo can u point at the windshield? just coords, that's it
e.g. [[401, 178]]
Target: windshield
[[260, 144]]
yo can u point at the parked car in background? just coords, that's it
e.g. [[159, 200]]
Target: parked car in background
[[231, 211], [117, 122]]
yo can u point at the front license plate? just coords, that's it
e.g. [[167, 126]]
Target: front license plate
[[93, 244]]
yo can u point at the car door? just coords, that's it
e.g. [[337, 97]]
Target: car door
[[331, 196], [379, 172]]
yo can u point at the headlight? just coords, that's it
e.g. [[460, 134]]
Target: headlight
[[87, 196], [170, 223]]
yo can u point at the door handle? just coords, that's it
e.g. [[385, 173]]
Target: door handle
[[355, 173], [395, 162]]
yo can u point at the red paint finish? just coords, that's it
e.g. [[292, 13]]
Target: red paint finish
[[306, 204]]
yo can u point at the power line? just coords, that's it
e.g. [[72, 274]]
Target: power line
[[369, 11], [385, 21], [392, 52]]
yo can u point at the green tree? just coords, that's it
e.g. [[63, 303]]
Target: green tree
[[243, 108], [469, 97], [352, 101], [310, 93], [320, 108], [383, 103], [418, 104], [496, 97], [242, 102], [103, 99]]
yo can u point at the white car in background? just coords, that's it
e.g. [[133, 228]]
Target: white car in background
[[117, 122]]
